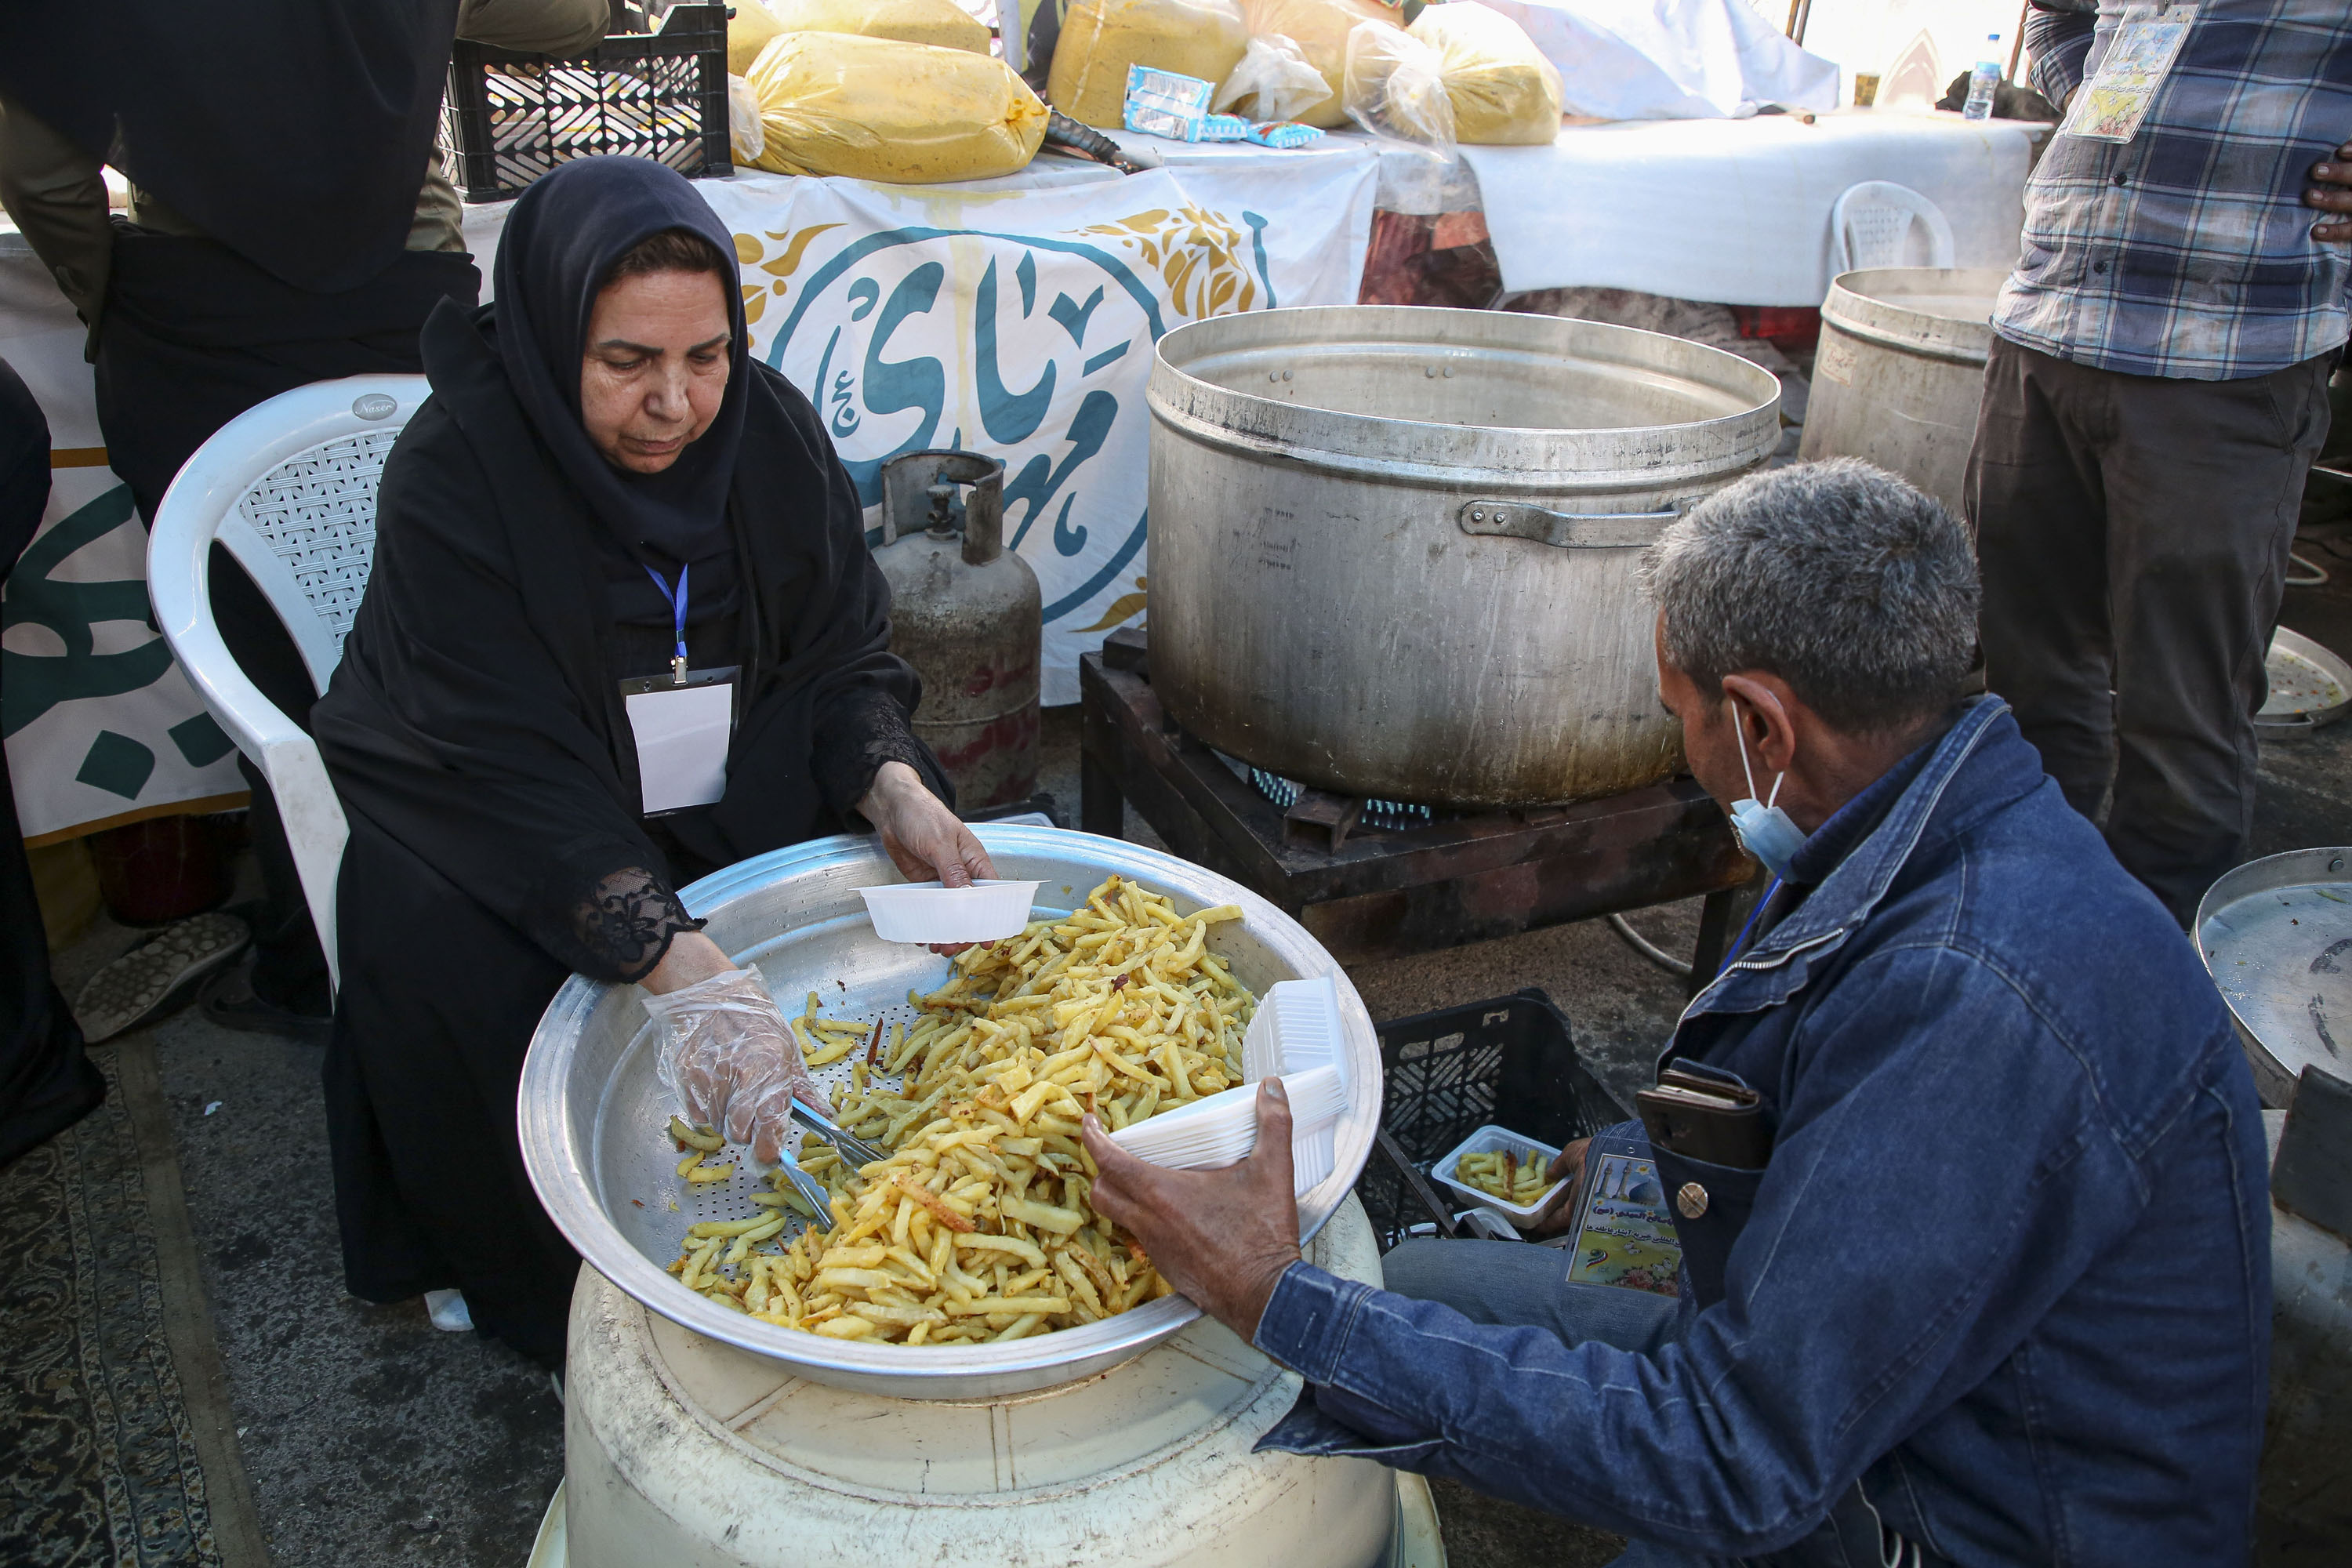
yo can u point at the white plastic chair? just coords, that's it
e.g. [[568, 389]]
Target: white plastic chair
[[1871, 226], [288, 488]]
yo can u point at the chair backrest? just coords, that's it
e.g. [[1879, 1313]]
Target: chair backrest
[[1871, 226], [288, 488]]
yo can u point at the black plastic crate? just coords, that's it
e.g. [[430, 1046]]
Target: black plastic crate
[[511, 118], [1510, 1061]]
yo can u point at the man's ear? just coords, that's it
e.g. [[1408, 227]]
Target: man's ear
[[1760, 707]]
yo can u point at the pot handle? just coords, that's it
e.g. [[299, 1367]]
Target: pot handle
[[1563, 529]]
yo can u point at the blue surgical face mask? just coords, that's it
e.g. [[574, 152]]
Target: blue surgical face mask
[[1764, 830]]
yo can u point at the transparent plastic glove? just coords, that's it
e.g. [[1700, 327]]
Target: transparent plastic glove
[[730, 1059]]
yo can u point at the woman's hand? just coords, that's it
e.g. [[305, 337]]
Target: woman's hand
[[728, 1055], [923, 838]]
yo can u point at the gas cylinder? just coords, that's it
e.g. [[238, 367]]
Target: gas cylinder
[[967, 613]]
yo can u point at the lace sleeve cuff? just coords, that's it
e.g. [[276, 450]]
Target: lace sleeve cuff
[[624, 925], [858, 731]]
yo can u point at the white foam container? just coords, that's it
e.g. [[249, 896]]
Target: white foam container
[[1493, 1140], [927, 912]]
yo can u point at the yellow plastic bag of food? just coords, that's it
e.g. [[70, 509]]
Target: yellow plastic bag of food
[[876, 109], [1319, 29], [1100, 38], [943, 23], [749, 31], [1504, 90]]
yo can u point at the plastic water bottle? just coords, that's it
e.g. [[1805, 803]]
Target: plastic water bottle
[[1983, 81]]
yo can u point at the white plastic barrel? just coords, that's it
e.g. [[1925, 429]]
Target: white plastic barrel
[[686, 1452]]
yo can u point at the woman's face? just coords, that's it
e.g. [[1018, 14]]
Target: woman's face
[[654, 370]]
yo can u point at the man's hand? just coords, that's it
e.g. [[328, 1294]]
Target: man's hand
[[2332, 193], [1221, 1237], [1568, 1165]]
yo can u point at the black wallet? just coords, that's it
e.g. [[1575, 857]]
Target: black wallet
[[1705, 1118]]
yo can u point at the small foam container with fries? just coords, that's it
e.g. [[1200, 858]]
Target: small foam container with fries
[[1524, 1154], [967, 1263]]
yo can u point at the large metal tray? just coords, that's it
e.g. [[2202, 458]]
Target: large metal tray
[[591, 1111], [2309, 685], [2276, 935]]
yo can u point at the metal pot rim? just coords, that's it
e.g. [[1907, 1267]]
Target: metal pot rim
[[1883, 319], [1519, 459]]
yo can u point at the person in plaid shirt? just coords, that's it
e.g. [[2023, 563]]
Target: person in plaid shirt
[[2156, 393]]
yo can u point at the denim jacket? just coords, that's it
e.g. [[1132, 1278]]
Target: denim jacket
[[2006, 1275]]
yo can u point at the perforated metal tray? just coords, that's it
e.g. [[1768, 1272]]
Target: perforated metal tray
[[591, 1111]]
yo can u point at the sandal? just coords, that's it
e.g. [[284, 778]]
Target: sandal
[[152, 978]]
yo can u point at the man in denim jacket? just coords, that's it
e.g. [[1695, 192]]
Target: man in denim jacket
[[2001, 1292]]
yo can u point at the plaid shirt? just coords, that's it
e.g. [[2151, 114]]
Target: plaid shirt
[[2187, 251]]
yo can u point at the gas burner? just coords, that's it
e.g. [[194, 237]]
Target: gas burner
[[1387, 815]]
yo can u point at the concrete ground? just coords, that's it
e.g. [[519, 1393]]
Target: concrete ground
[[369, 1437]]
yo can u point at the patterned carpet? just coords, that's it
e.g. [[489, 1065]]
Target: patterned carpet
[[101, 1464]]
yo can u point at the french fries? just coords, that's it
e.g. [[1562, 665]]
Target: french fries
[[978, 1226], [1500, 1174]]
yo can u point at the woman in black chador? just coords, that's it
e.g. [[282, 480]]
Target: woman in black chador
[[623, 629]]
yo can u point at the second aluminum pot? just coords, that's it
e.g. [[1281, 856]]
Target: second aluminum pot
[[1395, 550]]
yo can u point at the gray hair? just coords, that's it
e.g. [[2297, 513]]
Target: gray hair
[[1855, 587]]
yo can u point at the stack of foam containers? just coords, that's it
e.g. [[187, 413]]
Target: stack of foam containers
[[1295, 1035]]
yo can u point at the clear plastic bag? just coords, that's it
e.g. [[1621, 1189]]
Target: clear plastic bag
[[1100, 38], [1274, 81], [1395, 86], [943, 23], [1319, 29], [745, 133], [750, 30], [875, 108], [1503, 91]]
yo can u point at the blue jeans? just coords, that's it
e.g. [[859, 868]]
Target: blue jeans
[[1515, 1284], [1511, 1283]]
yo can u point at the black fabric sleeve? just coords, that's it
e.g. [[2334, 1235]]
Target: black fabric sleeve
[[451, 726], [859, 730], [858, 696]]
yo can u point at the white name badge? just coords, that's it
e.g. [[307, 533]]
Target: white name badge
[[2110, 106], [682, 733]]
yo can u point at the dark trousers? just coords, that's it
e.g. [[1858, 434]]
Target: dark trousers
[[2132, 532]]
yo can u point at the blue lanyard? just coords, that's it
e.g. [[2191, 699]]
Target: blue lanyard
[[1741, 940], [678, 611]]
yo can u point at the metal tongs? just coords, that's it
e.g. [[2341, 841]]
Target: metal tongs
[[856, 1151], [812, 1191]]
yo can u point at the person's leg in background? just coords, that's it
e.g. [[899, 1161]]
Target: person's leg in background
[[2036, 498], [283, 988], [2204, 483]]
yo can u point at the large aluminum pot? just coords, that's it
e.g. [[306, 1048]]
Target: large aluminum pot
[[591, 1111], [1394, 550]]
